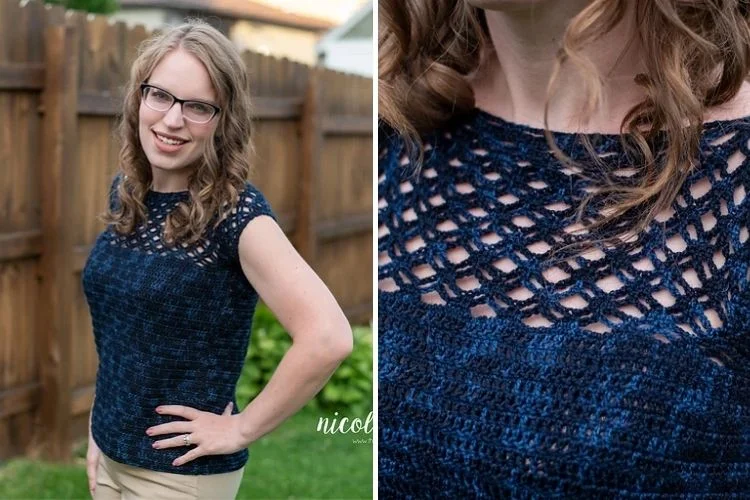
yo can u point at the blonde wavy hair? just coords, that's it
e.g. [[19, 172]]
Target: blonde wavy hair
[[224, 166], [697, 54]]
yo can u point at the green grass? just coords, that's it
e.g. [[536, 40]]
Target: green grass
[[294, 461]]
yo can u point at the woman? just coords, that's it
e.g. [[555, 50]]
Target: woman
[[173, 282], [563, 249]]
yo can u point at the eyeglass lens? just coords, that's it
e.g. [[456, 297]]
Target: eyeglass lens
[[195, 111]]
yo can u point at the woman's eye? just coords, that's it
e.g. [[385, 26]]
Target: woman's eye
[[159, 95], [199, 108]]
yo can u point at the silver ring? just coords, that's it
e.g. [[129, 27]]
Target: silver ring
[[186, 438]]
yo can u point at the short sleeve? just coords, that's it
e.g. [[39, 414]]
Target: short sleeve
[[251, 204]]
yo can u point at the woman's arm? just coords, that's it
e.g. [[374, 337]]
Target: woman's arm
[[321, 334], [93, 454]]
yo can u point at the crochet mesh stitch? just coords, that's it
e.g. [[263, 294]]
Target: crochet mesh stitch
[[147, 237], [474, 227]]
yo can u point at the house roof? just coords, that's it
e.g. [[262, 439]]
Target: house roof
[[343, 28], [240, 9]]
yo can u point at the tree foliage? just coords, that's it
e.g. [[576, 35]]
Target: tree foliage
[[93, 6]]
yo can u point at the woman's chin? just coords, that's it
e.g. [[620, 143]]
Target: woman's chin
[[160, 162]]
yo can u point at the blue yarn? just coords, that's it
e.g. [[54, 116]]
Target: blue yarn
[[624, 393], [171, 327]]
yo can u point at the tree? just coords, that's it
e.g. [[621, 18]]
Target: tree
[[94, 6]]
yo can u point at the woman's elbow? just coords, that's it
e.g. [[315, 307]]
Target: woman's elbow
[[341, 341], [332, 341]]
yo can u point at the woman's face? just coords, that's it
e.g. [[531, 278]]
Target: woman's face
[[184, 76]]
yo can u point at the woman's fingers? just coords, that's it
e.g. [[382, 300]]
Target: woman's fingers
[[179, 410], [180, 426], [170, 442], [170, 428], [228, 409], [187, 457]]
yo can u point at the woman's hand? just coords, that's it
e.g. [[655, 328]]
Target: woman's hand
[[93, 455], [211, 434]]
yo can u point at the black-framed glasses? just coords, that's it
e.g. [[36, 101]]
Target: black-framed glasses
[[161, 100]]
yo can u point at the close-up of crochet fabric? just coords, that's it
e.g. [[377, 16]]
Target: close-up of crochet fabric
[[610, 374], [171, 327]]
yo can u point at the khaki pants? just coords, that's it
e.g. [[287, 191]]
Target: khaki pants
[[116, 481]]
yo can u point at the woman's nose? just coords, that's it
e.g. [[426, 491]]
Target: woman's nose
[[173, 117]]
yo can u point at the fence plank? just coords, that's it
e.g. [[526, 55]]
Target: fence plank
[[277, 107], [20, 245], [347, 125], [98, 103], [344, 226], [18, 399], [59, 139], [21, 76], [312, 139]]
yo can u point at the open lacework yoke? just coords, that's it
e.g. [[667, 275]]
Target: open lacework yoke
[[611, 372]]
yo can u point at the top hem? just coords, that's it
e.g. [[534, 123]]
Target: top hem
[[186, 469]]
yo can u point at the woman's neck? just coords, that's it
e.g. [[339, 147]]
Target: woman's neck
[[513, 82]]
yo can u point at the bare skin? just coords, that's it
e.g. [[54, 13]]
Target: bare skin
[[526, 36]]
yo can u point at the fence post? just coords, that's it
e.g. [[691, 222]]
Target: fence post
[[311, 130], [60, 100]]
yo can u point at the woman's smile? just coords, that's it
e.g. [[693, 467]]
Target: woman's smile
[[168, 144]]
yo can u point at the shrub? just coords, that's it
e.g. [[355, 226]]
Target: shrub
[[348, 390]]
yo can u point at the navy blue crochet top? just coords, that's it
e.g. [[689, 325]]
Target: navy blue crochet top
[[610, 374], [171, 327]]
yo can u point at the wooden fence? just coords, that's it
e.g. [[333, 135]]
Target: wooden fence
[[60, 78]]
